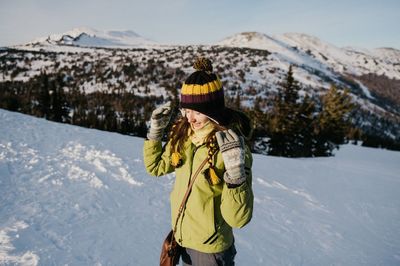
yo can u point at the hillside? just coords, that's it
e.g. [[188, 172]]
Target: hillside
[[252, 66]]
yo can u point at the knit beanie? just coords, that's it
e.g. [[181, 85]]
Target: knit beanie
[[202, 91]]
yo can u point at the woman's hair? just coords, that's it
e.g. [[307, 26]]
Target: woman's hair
[[180, 133], [240, 123], [236, 120]]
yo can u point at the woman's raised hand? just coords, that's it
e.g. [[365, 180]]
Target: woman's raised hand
[[159, 121]]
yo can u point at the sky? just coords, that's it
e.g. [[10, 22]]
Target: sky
[[359, 23]]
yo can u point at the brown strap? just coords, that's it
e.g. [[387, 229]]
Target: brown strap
[[189, 189]]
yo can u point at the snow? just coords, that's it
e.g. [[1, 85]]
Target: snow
[[76, 196], [28, 258], [88, 37], [365, 90], [290, 48], [303, 49], [317, 64]]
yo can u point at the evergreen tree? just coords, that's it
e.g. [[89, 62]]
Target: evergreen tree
[[43, 96], [259, 118], [291, 123], [59, 104], [305, 128], [333, 120], [79, 108], [355, 134]]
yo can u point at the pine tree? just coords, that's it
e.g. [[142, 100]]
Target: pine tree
[[305, 128], [80, 107], [258, 117], [59, 104], [292, 122], [333, 120], [43, 96]]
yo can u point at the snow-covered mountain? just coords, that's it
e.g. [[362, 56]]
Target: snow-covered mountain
[[87, 37], [300, 48], [290, 48], [252, 66], [76, 196]]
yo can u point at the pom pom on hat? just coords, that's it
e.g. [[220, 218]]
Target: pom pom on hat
[[203, 64]]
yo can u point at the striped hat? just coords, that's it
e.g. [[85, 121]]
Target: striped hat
[[202, 91]]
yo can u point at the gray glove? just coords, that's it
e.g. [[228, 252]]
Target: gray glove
[[233, 153], [159, 121]]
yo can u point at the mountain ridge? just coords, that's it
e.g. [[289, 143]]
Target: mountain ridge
[[321, 51], [88, 37], [252, 66], [297, 47]]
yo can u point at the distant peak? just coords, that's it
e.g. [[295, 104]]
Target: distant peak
[[250, 35], [75, 32], [302, 38], [246, 37], [300, 35], [251, 39], [89, 37]]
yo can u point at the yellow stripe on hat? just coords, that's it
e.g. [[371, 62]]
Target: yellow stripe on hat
[[196, 89]]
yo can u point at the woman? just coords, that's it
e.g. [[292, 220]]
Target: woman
[[221, 197]]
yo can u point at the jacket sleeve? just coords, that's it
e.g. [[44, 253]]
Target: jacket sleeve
[[156, 159], [237, 203]]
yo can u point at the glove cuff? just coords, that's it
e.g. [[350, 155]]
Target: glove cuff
[[237, 180], [230, 145], [155, 134]]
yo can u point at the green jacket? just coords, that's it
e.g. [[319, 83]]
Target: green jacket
[[211, 210]]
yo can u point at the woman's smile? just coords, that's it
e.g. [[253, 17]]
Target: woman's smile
[[196, 119]]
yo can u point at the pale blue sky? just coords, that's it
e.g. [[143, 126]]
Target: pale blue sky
[[359, 23]]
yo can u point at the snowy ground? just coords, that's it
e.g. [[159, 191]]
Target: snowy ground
[[75, 196]]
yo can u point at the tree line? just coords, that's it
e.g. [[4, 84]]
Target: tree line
[[48, 96], [292, 126], [301, 126]]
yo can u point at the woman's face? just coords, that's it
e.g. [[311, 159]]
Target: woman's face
[[196, 119]]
